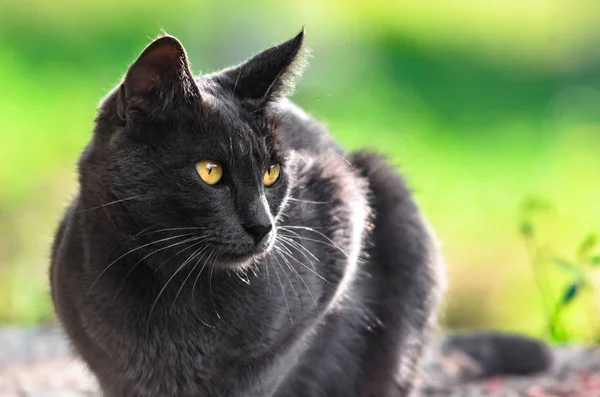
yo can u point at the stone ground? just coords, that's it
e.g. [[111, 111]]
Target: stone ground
[[37, 363]]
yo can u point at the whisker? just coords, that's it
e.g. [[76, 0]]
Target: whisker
[[111, 203], [290, 240], [310, 229], [137, 234], [131, 251], [239, 272], [199, 273], [166, 284], [280, 239], [289, 280], [172, 256], [163, 249], [292, 244], [283, 291], [196, 280], [268, 277], [306, 201], [195, 255], [212, 268], [331, 242], [302, 250], [254, 268], [307, 268], [173, 229], [299, 276]]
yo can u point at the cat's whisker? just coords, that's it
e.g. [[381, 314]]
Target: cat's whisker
[[290, 281], [111, 203], [301, 250], [241, 273], [138, 234], [132, 251], [280, 239], [174, 229], [306, 201], [254, 267], [306, 267], [289, 239], [299, 239], [212, 268], [283, 291], [199, 273], [195, 255], [268, 276], [196, 280], [167, 283], [320, 242], [202, 241], [309, 229], [193, 239], [299, 276]]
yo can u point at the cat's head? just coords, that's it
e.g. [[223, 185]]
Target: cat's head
[[200, 160]]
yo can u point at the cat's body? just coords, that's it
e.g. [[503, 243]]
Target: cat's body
[[163, 293]]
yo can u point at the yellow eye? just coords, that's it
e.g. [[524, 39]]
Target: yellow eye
[[272, 175], [210, 171]]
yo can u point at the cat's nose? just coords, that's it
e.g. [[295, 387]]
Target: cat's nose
[[258, 232]]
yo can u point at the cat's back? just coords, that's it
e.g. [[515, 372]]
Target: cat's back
[[303, 132]]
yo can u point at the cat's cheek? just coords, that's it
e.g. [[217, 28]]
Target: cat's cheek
[[276, 195]]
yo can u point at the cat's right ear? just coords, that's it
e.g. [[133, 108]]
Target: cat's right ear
[[157, 81]]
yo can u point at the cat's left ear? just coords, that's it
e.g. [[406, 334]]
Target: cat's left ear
[[268, 75], [158, 80]]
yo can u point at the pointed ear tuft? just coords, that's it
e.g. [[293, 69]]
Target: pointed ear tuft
[[157, 79], [268, 75]]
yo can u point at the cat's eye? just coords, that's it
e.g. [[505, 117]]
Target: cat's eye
[[210, 171], [272, 175]]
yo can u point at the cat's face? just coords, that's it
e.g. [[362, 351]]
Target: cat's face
[[196, 160]]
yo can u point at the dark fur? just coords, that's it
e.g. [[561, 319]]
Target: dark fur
[[500, 353], [154, 312]]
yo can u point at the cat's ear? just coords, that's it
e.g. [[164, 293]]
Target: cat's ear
[[268, 75], [158, 80]]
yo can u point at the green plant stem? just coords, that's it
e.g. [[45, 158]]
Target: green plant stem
[[540, 279]]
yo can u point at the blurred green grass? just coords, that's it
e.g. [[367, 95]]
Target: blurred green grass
[[481, 104]]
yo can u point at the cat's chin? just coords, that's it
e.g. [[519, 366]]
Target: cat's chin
[[237, 262], [242, 261]]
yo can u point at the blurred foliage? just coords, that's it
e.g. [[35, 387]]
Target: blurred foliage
[[579, 278], [482, 103]]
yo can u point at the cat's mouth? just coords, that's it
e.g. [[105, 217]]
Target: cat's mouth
[[235, 260]]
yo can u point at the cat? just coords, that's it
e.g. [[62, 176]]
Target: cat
[[223, 244]]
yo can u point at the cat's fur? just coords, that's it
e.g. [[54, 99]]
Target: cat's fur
[[155, 275]]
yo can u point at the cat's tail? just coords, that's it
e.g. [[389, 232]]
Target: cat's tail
[[497, 353]]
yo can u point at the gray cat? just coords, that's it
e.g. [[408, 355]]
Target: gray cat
[[222, 244]]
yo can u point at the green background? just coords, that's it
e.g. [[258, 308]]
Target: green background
[[482, 104]]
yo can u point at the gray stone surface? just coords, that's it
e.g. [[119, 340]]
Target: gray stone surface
[[18, 345], [37, 363]]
